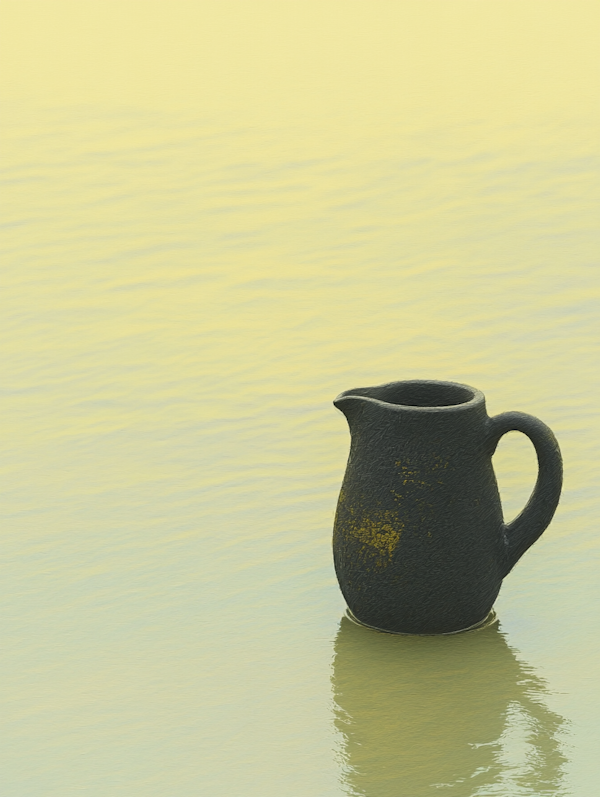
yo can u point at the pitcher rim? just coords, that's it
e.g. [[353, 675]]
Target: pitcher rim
[[477, 396]]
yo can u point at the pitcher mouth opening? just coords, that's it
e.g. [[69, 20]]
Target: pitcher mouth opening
[[418, 394]]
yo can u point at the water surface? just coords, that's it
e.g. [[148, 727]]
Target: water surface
[[216, 221]]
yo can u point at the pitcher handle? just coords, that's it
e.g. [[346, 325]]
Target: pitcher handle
[[539, 510]]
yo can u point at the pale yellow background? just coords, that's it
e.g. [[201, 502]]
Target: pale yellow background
[[217, 216]]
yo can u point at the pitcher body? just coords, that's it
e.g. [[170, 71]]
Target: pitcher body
[[420, 545]]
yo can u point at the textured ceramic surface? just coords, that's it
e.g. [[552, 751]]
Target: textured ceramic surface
[[420, 545]]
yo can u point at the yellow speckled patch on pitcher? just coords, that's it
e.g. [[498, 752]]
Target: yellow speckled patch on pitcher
[[379, 532]]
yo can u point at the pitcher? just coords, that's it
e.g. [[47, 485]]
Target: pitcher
[[420, 545]]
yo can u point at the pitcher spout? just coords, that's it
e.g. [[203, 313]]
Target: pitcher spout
[[350, 404]]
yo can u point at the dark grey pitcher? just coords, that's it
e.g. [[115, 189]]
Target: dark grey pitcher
[[420, 545]]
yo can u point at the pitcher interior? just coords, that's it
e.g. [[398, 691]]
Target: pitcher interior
[[418, 393]]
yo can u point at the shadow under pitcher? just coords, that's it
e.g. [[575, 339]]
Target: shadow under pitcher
[[420, 545]]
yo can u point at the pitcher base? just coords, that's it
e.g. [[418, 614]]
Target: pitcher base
[[490, 618]]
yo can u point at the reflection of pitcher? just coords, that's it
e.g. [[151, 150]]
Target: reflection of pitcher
[[419, 543], [418, 714]]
